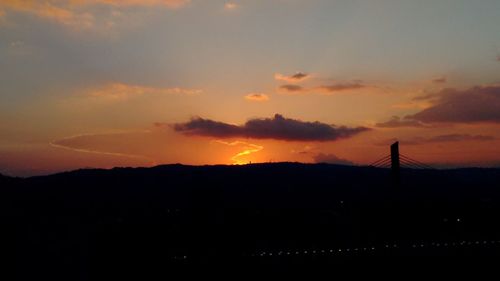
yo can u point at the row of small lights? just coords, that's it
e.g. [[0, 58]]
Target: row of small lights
[[180, 257], [366, 249], [371, 249]]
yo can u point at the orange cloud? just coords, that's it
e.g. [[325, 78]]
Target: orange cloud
[[74, 13], [52, 10], [257, 97], [167, 3], [248, 148], [412, 105], [121, 91], [230, 6]]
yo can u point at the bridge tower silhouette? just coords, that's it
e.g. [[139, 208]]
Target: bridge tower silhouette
[[396, 160]]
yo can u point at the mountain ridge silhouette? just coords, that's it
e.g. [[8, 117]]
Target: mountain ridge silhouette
[[91, 221]]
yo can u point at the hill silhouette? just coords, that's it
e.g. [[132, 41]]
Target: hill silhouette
[[86, 222]]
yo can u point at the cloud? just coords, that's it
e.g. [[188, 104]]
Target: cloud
[[439, 139], [122, 91], [328, 89], [477, 104], [100, 144], [331, 159], [440, 80], [397, 122], [16, 44], [412, 104], [278, 128], [78, 14], [122, 3], [460, 137], [292, 88], [230, 6], [341, 87], [57, 11], [295, 78], [248, 148], [257, 97], [305, 150], [2, 16]]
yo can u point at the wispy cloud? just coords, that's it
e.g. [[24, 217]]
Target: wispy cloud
[[412, 105], [230, 5], [122, 91], [440, 80], [397, 122], [78, 14], [323, 89], [278, 127], [292, 89], [63, 13], [2, 16], [258, 97], [340, 87], [308, 149], [438, 139], [331, 159], [248, 148], [295, 78], [80, 143], [167, 3]]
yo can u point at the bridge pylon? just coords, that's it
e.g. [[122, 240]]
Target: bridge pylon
[[395, 162]]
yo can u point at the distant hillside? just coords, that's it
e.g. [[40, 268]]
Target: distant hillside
[[139, 219], [4, 178]]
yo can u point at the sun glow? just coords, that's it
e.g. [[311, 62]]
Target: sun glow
[[248, 148]]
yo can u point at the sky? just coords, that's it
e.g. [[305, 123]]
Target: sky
[[106, 83]]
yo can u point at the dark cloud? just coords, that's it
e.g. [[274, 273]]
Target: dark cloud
[[331, 159], [206, 127], [297, 77], [292, 88], [438, 139], [477, 104], [460, 137], [342, 87], [278, 127], [397, 122], [440, 80]]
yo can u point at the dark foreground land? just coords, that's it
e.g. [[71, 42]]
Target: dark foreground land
[[83, 224]]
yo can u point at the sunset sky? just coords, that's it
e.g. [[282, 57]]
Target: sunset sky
[[105, 83]]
